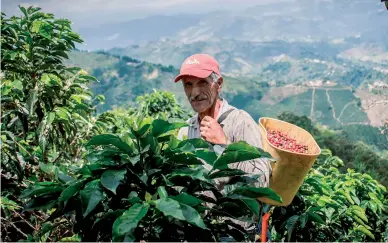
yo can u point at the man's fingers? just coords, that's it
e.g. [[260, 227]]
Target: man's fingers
[[204, 134], [205, 124], [203, 129]]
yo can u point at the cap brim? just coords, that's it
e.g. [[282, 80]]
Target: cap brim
[[196, 73]]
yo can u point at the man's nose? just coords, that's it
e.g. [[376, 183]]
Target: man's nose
[[195, 92]]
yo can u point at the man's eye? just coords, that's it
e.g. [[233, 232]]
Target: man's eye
[[187, 84], [202, 82]]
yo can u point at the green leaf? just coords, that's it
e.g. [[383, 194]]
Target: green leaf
[[303, 220], [208, 156], [91, 196], [365, 231], [62, 113], [74, 238], [88, 77], [160, 127], [195, 142], [46, 227], [6, 203], [110, 179], [128, 220], [32, 99], [134, 198], [227, 173], [162, 192], [70, 191], [197, 173], [45, 202], [110, 139], [171, 207], [147, 197], [192, 216], [185, 159], [251, 203], [254, 192], [109, 216], [187, 199], [315, 217], [290, 225], [23, 9], [360, 212], [39, 189], [17, 84], [237, 152]]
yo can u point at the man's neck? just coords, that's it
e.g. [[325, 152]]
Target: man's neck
[[212, 111]]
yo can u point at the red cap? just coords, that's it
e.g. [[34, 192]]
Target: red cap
[[200, 66]]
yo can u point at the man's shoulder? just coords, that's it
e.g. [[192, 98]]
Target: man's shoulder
[[240, 115]]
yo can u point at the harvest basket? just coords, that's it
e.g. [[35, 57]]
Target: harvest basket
[[290, 168]]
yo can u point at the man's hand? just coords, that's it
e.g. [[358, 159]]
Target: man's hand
[[212, 132]]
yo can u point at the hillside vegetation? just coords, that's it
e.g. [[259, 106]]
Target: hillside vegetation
[[121, 79]]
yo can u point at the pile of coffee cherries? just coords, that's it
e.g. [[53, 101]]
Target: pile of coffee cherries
[[282, 141]]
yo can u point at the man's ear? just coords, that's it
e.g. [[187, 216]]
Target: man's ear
[[220, 82]]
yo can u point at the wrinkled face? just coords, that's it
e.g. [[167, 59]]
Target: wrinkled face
[[201, 93]]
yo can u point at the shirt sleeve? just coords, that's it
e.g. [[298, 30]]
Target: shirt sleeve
[[247, 130]]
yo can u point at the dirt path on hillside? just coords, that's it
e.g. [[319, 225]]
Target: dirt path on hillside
[[332, 107], [312, 104], [346, 106]]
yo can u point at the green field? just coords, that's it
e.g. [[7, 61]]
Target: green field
[[353, 114], [299, 104], [323, 112]]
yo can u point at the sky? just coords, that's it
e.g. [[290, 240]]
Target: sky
[[85, 13]]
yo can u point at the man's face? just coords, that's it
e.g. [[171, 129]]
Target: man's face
[[201, 93]]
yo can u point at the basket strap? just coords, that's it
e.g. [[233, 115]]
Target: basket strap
[[224, 115]]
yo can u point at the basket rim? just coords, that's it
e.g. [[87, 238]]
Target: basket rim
[[287, 151]]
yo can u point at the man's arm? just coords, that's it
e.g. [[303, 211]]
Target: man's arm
[[247, 130]]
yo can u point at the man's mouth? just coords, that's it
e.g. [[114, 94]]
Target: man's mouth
[[194, 101]]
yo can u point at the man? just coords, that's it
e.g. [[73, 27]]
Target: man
[[202, 83]]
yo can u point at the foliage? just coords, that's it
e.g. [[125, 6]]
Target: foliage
[[147, 185], [47, 108], [300, 121], [334, 206], [161, 104]]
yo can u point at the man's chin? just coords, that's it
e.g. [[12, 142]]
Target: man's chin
[[199, 108]]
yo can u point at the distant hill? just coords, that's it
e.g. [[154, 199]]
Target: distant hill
[[283, 85], [273, 61]]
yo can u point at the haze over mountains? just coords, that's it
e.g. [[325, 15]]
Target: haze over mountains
[[298, 20]]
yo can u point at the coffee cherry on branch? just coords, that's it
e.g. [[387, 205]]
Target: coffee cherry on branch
[[282, 141]]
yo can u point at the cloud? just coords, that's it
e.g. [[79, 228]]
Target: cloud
[[94, 12], [81, 6], [113, 37]]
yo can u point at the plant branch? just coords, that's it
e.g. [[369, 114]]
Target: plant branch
[[14, 226]]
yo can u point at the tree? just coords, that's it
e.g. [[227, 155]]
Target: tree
[[47, 108]]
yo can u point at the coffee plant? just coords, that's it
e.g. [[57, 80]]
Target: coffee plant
[[147, 185], [334, 206]]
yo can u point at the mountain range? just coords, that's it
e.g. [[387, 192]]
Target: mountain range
[[291, 21]]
